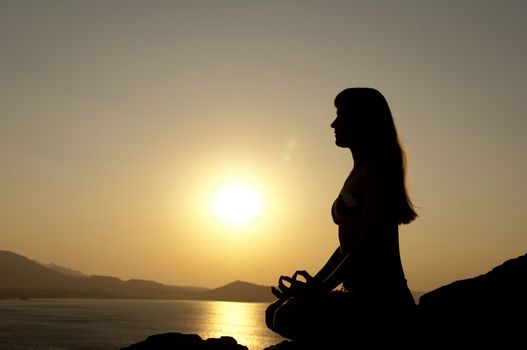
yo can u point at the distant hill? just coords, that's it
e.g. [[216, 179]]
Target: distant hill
[[17, 271], [238, 291], [21, 277], [65, 270]]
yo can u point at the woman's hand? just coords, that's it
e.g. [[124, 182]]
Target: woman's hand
[[286, 287], [293, 286], [311, 286]]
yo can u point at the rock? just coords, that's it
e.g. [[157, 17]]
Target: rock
[[487, 308], [180, 341]]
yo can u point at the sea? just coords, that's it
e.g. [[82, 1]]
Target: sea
[[109, 324]]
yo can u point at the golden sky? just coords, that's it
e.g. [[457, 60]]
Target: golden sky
[[120, 120]]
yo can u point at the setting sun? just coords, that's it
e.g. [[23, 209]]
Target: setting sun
[[236, 204]]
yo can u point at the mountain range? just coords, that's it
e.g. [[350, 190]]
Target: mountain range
[[22, 277]]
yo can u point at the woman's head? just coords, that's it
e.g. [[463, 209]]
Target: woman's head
[[364, 121]]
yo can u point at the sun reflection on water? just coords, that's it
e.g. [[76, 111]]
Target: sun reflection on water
[[242, 321]]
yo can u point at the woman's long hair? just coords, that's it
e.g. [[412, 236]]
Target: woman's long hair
[[376, 138]]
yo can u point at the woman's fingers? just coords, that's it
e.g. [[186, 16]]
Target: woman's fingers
[[303, 273], [281, 284], [277, 293], [290, 286]]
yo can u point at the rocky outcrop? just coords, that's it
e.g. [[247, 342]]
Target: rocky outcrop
[[491, 307], [485, 310], [174, 341]]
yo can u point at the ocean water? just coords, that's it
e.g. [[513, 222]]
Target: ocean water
[[102, 324]]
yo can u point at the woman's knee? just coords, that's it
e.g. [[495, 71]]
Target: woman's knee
[[270, 312], [293, 318]]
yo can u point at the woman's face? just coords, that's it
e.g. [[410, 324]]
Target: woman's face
[[344, 131]]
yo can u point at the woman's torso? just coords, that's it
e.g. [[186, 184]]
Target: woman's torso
[[382, 265]]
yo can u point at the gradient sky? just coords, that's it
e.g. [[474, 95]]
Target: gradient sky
[[119, 120]]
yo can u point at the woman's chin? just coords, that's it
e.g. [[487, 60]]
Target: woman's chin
[[341, 143]]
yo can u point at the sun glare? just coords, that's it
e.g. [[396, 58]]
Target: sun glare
[[236, 204]]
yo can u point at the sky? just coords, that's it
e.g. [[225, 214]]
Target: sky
[[120, 120]]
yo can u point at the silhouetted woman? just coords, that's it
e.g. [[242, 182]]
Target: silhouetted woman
[[373, 202]]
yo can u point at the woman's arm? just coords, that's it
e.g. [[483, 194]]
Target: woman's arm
[[336, 276], [328, 269]]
